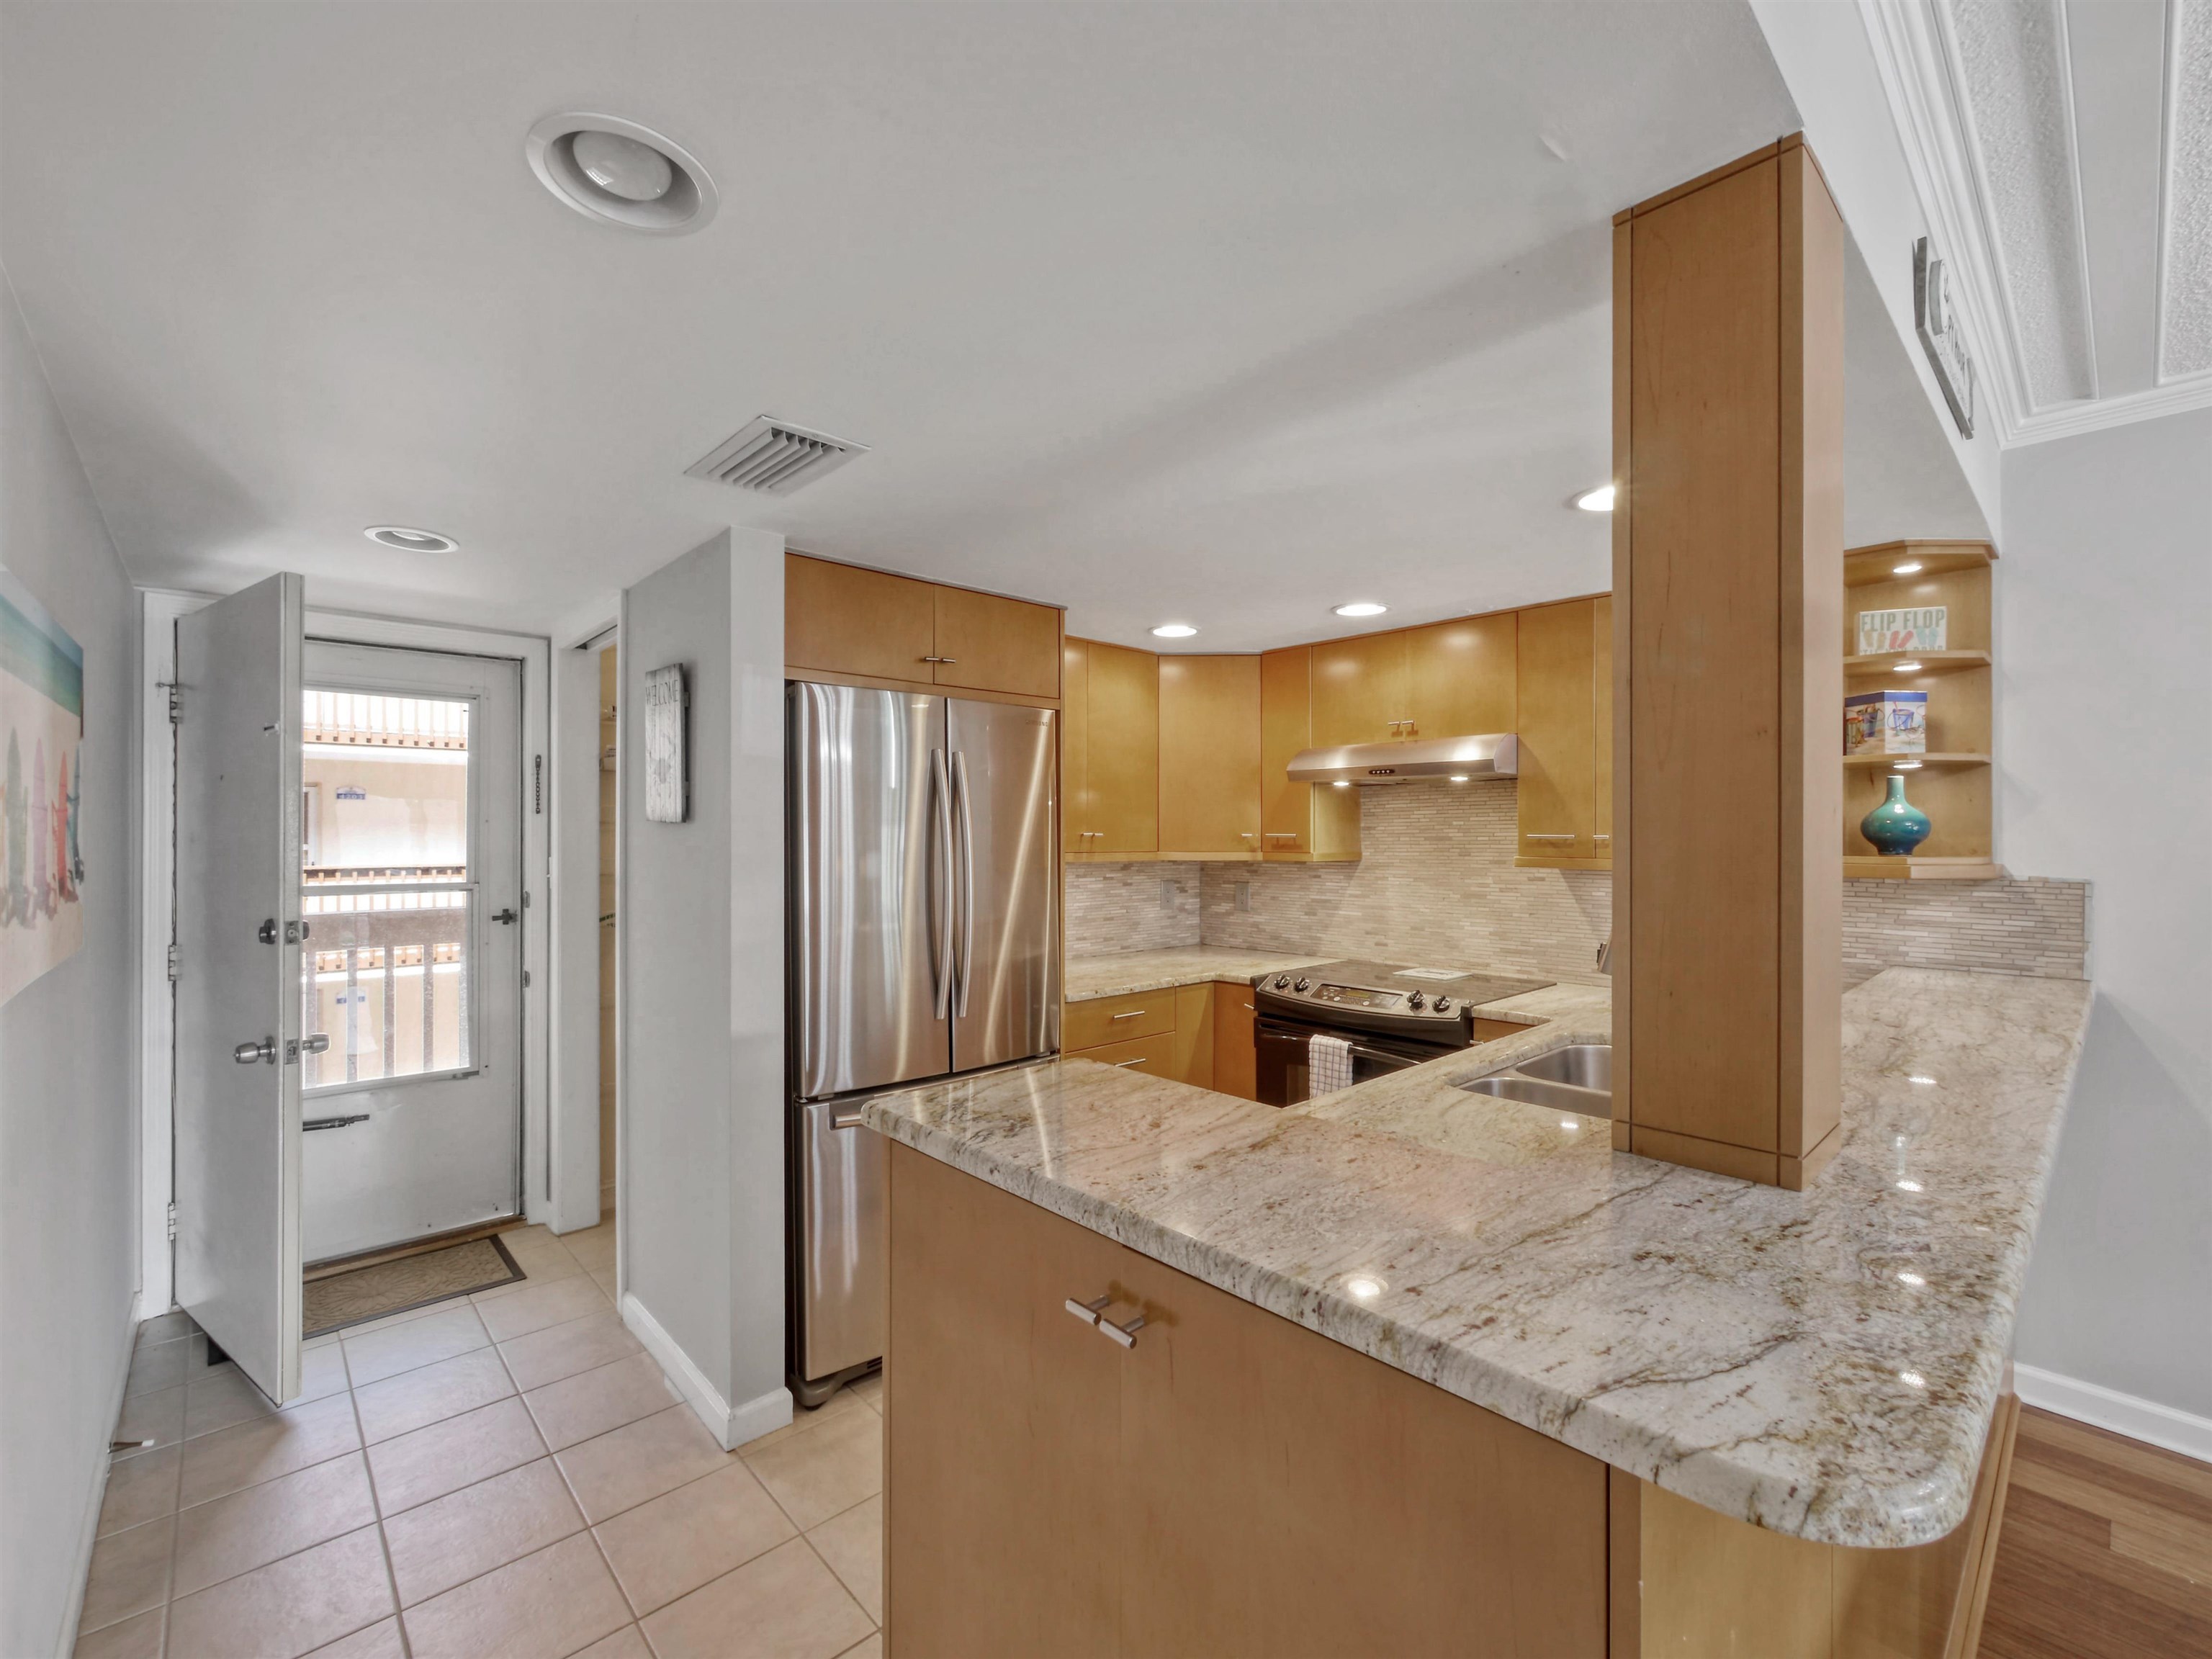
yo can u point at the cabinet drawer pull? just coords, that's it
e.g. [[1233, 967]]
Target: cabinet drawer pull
[[1088, 1312], [1603, 840], [1138, 1061], [1133, 1013], [1124, 1334], [944, 659], [1282, 835]]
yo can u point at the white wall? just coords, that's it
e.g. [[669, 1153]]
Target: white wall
[[702, 1206], [68, 1121], [2105, 739]]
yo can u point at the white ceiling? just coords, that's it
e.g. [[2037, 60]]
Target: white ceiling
[[1217, 313], [2064, 151]]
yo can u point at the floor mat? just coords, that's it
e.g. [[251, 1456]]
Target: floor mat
[[413, 1282]]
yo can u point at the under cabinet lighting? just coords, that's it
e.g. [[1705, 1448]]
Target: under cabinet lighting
[[1341, 783], [1910, 567], [1459, 777], [1906, 766], [1907, 668], [1361, 608], [1174, 631]]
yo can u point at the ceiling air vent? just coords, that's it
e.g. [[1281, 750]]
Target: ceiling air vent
[[774, 456]]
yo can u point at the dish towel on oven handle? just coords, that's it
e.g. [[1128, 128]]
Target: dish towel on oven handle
[[1328, 1060]]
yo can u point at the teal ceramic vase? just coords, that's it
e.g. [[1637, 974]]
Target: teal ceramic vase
[[1896, 826]]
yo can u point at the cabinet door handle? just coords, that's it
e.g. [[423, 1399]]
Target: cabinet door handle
[[1088, 1312], [1282, 835], [943, 660], [1132, 1014], [1124, 1334], [1138, 1061]]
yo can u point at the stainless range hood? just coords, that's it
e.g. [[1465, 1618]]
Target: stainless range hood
[[1496, 755]]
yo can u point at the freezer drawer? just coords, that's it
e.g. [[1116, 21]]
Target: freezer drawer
[[841, 1240]]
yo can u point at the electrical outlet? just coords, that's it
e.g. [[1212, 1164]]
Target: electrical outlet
[[1167, 896], [1244, 895]]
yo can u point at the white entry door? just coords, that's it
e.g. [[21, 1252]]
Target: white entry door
[[238, 1029], [410, 813]]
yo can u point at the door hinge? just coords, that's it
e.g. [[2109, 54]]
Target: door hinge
[[173, 1220], [173, 956], [526, 979], [176, 705], [538, 783], [525, 898]]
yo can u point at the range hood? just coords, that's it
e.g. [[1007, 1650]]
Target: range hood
[[1497, 755]]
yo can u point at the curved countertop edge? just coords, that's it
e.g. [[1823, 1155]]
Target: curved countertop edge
[[1813, 1461], [1124, 973]]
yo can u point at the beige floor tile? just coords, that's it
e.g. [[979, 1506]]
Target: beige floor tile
[[560, 1351], [322, 1373], [535, 1307], [139, 1637], [219, 1397], [385, 1322], [376, 1355], [592, 1402], [264, 1447], [872, 1648], [157, 1365], [852, 1545], [380, 1641], [414, 1400], [130, 1573], [783, 1605], [414, 1468], [468, 1533], [250, 1528], [289, 1606], [802, 1420], [605, 1279], [543, 1605], [869, 1390], [165, 1328], [141, 1487], [628, 1643], [826, 1470], [640, 1461], [683, 1539], [539, 1254], [594, 1247], [157, 1417]]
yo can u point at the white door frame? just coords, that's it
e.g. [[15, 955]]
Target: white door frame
[[549, 1142]]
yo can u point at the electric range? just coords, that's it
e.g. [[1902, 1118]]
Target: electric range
[[1394, 1016]]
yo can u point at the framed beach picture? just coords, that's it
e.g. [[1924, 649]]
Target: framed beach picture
[[41, 771]]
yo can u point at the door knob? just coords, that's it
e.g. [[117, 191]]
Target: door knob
[[319, 1043], [504, 917], [247, 1053]]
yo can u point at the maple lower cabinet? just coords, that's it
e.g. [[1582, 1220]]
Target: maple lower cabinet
[[1209, 763], [1233, 1484], [1236, 1063], [1299, 822], [1565, 724], [1111, 804]]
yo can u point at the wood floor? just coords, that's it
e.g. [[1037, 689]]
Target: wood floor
[[2106, 1551]]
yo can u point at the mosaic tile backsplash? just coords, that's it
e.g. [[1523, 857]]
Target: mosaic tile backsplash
[[1436, 885]]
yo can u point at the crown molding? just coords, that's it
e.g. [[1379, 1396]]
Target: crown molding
[[2070, 420]]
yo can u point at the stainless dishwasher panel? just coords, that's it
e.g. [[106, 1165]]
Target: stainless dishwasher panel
[[841, 1305]]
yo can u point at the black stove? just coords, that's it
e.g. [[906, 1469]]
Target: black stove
[[1391, 1017]]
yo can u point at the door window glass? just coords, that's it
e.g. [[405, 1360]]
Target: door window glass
[[388, 886]]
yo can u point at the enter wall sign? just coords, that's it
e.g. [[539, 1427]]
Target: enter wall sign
[[667, 784], [1940, 336]]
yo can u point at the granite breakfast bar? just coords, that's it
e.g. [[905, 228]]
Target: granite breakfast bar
[[1826, 1365]]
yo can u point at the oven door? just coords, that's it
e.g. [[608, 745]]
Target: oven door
[[1285, 1078]]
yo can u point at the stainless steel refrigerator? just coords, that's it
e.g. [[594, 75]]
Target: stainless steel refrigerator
[[924, 940]]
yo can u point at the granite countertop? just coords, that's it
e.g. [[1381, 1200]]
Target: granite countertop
[[1159, 970], [1824, 1364]]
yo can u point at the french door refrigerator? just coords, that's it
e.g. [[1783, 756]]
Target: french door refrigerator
[[924, 941]]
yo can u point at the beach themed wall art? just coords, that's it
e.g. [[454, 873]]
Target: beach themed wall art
[[41, 767]]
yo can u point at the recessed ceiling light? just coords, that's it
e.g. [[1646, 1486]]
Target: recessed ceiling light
[[1175, 630], [621, 174], [1910, 567], [1361, 608], [1596, 501], [409, 541]]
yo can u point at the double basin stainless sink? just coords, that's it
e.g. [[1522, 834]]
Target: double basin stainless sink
[[1577, 1078]]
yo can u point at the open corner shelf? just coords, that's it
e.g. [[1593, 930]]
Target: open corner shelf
[[1865, 566], [1930, 762], [1911, 868], [1931, 662]]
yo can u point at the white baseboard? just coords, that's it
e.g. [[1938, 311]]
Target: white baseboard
[[2108, 1408], [732, 1426], [88, 1532]]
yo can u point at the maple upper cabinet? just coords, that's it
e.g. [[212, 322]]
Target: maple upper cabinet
[[1565, 726], [1299, 822], [1112, 807], [1459, 676], [1359, 690], [870, 625], [1074, 744], [1209, 763]]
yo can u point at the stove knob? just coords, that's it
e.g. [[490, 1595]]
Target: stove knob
[[1443, 1004], [1303, 985], [1414, 1002], [1282, 981]]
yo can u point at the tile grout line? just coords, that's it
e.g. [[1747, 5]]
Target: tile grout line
[[376, 1507]]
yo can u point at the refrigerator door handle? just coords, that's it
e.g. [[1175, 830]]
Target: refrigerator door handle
[[940, 886], [967, 878]]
